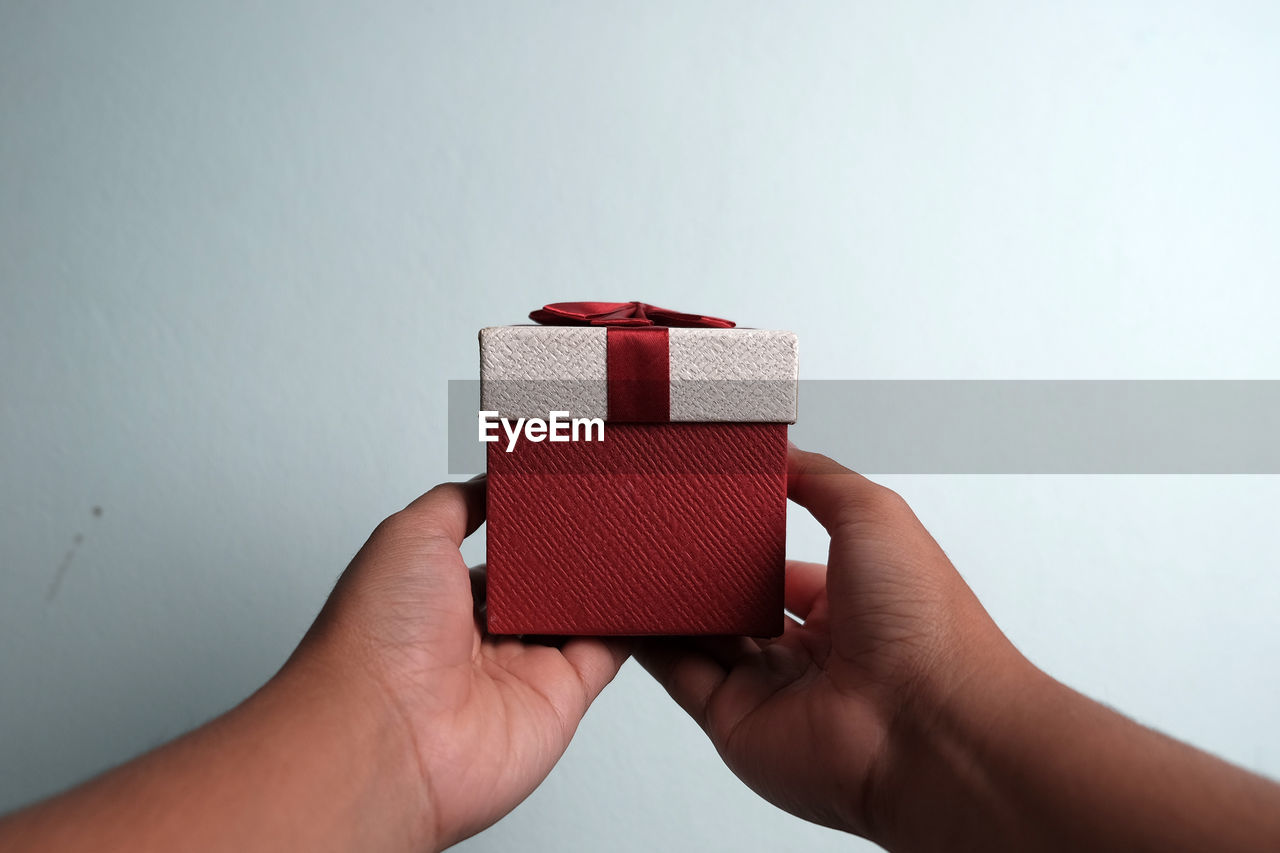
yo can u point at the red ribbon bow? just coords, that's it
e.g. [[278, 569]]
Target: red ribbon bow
[[638, 358], [622, 314]]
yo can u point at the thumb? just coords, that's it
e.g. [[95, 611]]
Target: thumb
[[875, 537], [836, 496]]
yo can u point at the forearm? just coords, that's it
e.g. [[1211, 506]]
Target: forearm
[[305, 763], [1012, 759]]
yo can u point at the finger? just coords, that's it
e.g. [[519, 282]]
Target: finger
[[831, 492], [812, 645], [788, 620], [596, 662], [690, 676], [569, 674], [452, 511], [728, 651], [479, 589], [551, 641], [804, 583]]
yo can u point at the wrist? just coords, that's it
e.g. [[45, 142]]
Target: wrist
[[366, 765], [930, 779]]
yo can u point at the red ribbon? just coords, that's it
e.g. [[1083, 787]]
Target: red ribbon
[[638, 360], [639, 370], [622, 314]]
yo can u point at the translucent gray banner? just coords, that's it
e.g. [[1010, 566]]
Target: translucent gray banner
[[1005, 426]]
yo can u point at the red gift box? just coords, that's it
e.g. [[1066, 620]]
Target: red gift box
[[675, 522]]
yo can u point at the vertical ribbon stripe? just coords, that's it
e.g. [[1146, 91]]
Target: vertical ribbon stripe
[[639, 374]]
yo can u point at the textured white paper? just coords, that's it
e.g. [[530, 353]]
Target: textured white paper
[[716, 374]]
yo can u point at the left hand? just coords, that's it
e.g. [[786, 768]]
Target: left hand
[[485, 717]]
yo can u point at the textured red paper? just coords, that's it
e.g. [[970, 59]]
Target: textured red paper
[[659, 529]]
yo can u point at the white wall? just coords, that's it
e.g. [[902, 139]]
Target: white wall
[[242, 249]]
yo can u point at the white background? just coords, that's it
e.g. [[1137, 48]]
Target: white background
[[243, 249]]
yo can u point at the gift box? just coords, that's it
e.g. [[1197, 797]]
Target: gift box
[[637, 472]]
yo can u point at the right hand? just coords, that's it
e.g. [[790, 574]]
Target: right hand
[[811, 720]]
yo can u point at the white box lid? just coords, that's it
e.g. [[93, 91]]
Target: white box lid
[[715, 374]]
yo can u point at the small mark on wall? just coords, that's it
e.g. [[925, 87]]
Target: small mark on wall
[[60, 573]]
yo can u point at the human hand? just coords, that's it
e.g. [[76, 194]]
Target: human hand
[[814, 721], [485, 718], [896, 710]]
